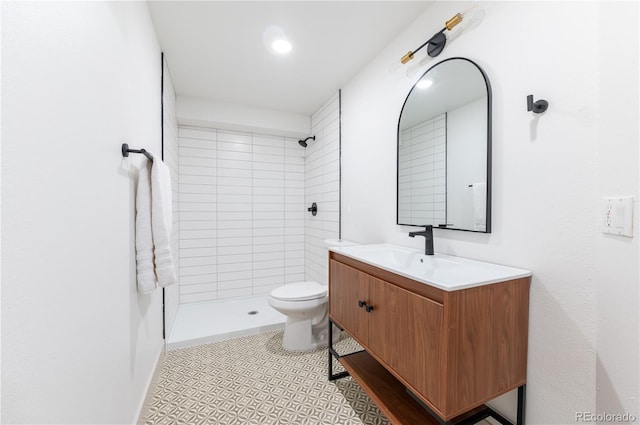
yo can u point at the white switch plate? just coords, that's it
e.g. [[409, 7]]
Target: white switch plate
[[617, 215]]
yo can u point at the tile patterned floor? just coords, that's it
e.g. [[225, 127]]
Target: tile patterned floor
[[252, 380]]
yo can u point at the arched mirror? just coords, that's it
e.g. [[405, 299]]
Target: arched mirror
[[444, 149]]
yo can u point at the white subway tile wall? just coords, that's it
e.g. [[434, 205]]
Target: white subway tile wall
[[422, 175], [170, 151], [322, 186], [241, 213]]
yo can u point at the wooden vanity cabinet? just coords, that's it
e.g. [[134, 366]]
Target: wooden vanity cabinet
[[454, 350]]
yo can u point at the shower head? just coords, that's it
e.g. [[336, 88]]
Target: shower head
[[303, 143]]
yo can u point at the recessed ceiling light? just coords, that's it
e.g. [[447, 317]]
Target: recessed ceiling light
[[281, 46], [423, 84], [275, 40]]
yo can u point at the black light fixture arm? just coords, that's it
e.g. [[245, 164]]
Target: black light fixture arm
[[126, 151], [406, 58], [437, 42]]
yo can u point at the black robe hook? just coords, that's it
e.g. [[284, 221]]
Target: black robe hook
[[538, 107]]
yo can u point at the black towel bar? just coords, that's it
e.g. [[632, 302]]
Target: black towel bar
[[126, 151]]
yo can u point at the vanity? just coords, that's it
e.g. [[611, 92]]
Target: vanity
[[442, 335]]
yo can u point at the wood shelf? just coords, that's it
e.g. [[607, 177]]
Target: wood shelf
[[389, 394]]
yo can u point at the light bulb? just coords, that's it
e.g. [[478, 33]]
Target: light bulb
[[281, 46]]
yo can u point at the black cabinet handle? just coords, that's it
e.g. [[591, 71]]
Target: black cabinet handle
[[369, 308], [361, 303]]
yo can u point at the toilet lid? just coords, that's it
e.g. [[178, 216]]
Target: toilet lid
[[299, 291]]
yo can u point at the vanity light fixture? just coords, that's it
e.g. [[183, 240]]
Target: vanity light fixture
[[436, 43]]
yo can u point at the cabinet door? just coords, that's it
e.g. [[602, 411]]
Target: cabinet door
[[345, 291], [405, 331]]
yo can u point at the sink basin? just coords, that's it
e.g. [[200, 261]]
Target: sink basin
[[443, 271]]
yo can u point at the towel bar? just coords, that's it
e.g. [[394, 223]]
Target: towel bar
[[126, 151]]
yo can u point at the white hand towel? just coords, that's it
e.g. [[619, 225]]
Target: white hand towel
[[480, 206], [161, 217], [144, 238]]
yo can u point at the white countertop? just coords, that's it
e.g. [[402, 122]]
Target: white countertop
[[445, 272]]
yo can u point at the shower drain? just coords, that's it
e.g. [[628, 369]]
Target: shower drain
[[252, 312]]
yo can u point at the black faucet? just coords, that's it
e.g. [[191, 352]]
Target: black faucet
[[428, 238]]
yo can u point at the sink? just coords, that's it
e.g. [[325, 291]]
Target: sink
[[446, 272], [383, 254], [398, 256]]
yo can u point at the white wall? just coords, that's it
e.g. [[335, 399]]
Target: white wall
[[222, 115], [617, 272], [322, 186], [548, 177], [79, 344]]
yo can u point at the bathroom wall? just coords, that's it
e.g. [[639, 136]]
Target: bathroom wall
[[322, 186], [170, 153], [549, 174], [207, 113], [79, 344], [617, 270], [241, 213]]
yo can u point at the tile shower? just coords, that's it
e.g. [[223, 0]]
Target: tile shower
[[242, 205], [241, 213]]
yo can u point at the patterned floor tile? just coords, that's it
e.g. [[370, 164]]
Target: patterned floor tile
[[252, 380]]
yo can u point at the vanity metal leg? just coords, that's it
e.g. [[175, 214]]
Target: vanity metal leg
[[333, 354], [522, 392]]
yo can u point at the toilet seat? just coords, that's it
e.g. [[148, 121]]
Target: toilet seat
[[299, 291]]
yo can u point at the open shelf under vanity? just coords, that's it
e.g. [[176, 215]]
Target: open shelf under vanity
[[391, 397]]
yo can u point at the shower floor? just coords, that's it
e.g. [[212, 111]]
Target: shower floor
[[204, 322]]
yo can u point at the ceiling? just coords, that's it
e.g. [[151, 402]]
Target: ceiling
[[215, 49]]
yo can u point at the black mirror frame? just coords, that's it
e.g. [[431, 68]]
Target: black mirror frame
[[489, 150]]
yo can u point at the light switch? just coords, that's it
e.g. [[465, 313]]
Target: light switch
[[618, 216]]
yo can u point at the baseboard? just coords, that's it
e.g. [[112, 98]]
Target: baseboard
[[153, 382]]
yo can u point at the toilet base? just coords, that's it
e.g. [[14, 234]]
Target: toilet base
[[303, 335]]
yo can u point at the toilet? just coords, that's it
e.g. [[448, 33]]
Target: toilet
[[306, 306]]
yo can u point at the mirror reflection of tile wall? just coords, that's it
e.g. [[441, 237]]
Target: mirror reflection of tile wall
[[422, 173]]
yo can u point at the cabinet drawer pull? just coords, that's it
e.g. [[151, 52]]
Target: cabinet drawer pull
[[369, 308], [361, 303]]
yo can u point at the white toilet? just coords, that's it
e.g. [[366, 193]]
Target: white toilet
[[306, 306]]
